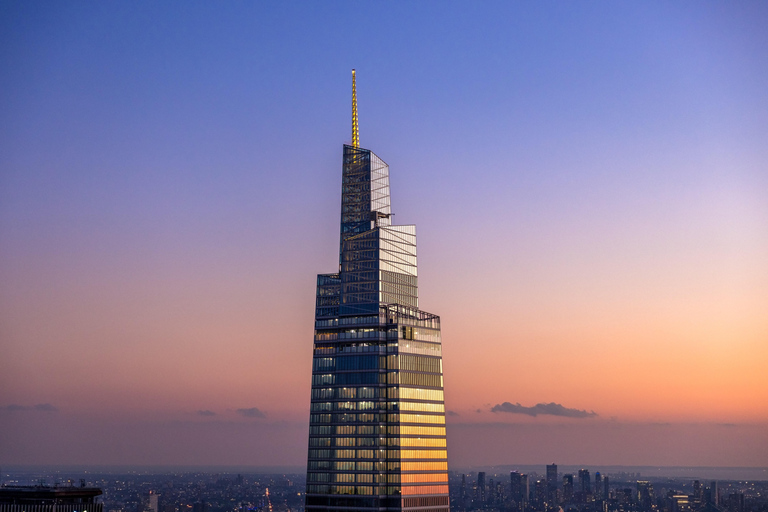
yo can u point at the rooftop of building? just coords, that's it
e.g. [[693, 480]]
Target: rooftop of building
[[43, 494]]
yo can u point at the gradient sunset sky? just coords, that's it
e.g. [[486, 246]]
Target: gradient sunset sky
[[589, 181]]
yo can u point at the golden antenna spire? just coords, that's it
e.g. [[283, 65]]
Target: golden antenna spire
[[355, 128]]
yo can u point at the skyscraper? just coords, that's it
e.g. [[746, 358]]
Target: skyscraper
[[519, 489], [567, 488], [551, 484], [584, 481], [377, 418], [480, 492], [598, 486], [645, 494]]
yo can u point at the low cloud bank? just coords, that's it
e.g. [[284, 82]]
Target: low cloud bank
[[251, 412], [551, 409]]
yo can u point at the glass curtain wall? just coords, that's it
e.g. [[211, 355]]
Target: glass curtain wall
[[377, 416]]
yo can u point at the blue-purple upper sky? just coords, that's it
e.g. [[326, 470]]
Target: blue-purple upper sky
[[589, 181]]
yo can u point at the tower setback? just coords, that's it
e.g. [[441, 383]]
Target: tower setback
[[377, 416]]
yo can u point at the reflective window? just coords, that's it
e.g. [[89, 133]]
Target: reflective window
[[423, 454]]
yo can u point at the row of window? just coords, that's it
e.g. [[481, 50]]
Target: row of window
[[353, 441], [421, 418], [367, 405], [398, 278], [428, 347], [403, 247], [399, 294], [405, 430], [376, 454], [348, 418], [364, 490], [362, 347], [381, 478], [423, 454], [316, 419], [361, 478], [392, 266], [348, 335], [392, 465], [419, 363], [391, 378], [357, 266], [410, 490], [361, 217], [350, 254], [326, 311], [418, 478], [349, 406], [418, 379], [405, 362], [417, 347], [421, 442], [417, 442], [427, 502], [329, 291], [328, 300], [357, 362], [350, 379], [421, 394], [354, 465], [360, 287], [350, 320], [350, 363], [407, 490]]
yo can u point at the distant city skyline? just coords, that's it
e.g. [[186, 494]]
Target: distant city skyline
[[589, 182]]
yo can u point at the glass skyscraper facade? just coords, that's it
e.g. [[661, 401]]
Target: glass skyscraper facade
[[377, 420]]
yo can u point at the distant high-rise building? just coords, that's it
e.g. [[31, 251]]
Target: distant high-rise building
[[540, 493], [713, 493], [490, 493], [735, 502], [598, 486], [377, 418], [152, 504], [519, 489], [480, 492], [679, 503], [585, 483], [567, 488], [463, 498], [552, 483], [645, 494], [698, 494], [606, 488]]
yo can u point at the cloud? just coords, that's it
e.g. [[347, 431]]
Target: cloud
[[37, 407], [251, 412], [452, 413], [206, 412], [551, 408]]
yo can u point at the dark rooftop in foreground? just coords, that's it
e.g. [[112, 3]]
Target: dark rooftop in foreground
[[43, 495]]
